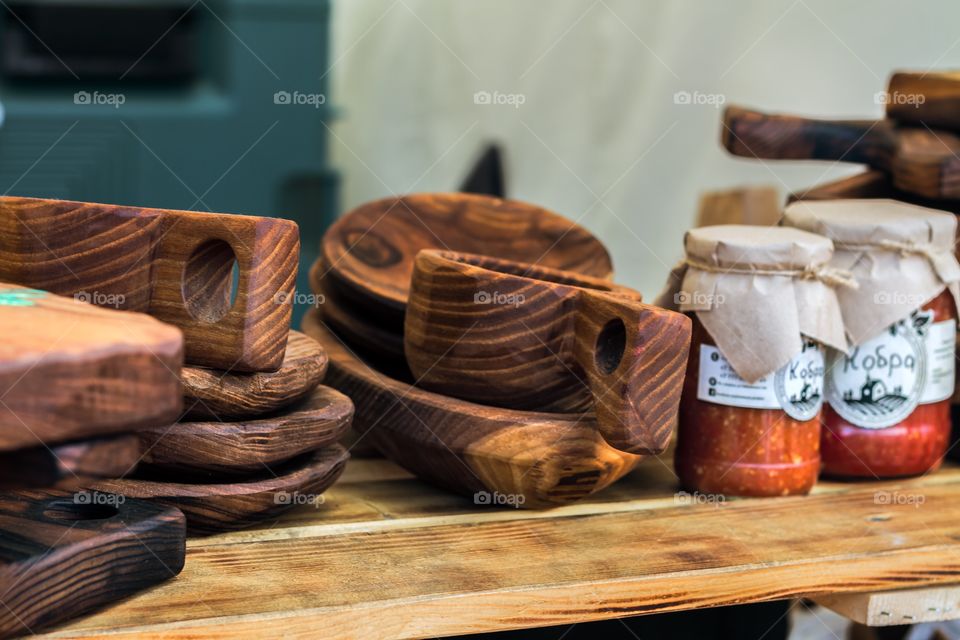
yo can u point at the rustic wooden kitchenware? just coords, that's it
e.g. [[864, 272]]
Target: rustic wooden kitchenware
[[369, 251], [547, 459], [929, 99], [531, 338], [212, 507], [226, 395], [870, 184], [70, 370], [246, 446], [69, 463], [175, 265], [61, 557], [919, 160]]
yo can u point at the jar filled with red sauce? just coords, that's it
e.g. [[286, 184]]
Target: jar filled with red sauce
[[749, 421], [887, 405]]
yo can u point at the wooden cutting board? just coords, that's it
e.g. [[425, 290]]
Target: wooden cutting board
[[71, 370], [61, 558], [919, 160], [223, 506], [370, 250], [69, 463], [210, 449], [870, 184], [174, 265], [929, 99], [547, 459], [223, 395]]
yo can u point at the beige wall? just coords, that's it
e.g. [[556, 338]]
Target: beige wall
[[599, 136]]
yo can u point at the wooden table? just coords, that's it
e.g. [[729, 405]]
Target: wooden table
[[387, 556]]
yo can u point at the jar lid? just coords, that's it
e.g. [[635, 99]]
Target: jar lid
[[900, 254], [739, 246]]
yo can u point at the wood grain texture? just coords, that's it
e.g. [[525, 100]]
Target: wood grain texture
[[515, 335], [69, 462], [871, 184], [919, 160], [391, 557], [212, 507], [760, 205], [896, 606], [174, 265], [70, 370], [225, 395], [217, 449], [927, 98], [60, 559], [548, 459], [370, 250]]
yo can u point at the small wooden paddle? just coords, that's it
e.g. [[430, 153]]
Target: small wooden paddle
[[63, 555], [535, 460], [174, 265], [70, 370], [919, 160]]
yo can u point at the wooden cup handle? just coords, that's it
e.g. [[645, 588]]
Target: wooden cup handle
[[753, 134], [634, 356]]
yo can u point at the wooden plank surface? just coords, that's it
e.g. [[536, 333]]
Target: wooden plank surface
[[386, 556], [897, 606]]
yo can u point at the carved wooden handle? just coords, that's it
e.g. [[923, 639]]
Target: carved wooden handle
[[634, 356], [754, 134]]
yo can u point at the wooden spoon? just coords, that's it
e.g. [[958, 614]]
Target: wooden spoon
[[212, 393], [218, 448], [211, 508], [61, 557], [70, 370], [921, 161], [536, 459]]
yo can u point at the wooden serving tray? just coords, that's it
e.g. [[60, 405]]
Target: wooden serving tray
[[538, 459], [225, 395], [216, 448], [175, 265], [70, 370], [68, 463], [61, 557], [214, 507]]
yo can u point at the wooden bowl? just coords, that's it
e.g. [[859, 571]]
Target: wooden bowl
[[370, 250]]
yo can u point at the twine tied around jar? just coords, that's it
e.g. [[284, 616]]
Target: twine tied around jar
[[828, 275]]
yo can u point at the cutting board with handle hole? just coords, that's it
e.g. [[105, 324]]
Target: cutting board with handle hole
[[65, 554], [175, 265], [71, 370]]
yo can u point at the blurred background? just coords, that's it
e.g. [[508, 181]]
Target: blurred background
[[607, 111]]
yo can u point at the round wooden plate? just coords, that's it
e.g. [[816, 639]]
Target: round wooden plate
[[547, 458], [370, 250], [211, 393], [216, 448], [211, 508]]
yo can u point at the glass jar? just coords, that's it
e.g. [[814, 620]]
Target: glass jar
[[853, 447], [748, 451]]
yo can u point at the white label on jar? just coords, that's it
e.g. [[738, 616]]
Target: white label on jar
[[880, 383], [940, 341], [796, 388]]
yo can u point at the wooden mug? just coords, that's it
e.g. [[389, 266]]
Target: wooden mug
[[528, 337]]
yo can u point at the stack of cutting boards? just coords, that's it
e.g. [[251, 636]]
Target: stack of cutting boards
[[503, 451], [912, 155]]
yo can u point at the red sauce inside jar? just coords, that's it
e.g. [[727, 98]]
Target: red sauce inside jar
[[741, 451], [911, 447]]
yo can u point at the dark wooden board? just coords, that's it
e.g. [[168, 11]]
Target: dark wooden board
[[70, 370], [548, 459], [921, 161], [930, 98], [174, 265], [219, 448], [214, 507], [70, 462], [871, 184], [370, 250], [226, 395], [520, 336], [61, 558]]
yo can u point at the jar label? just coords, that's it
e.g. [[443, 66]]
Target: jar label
[[881, 382], [940, 342], [796, 388]]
